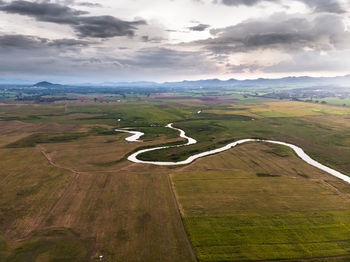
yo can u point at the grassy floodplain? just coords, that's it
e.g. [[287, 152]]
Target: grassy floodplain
[[80, 191], [316, 128]]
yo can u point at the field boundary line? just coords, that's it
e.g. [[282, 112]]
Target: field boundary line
[[49, 159], [74, 178], [193, 253], [334, 188]]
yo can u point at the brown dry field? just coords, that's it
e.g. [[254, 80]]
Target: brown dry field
[[129, 211]]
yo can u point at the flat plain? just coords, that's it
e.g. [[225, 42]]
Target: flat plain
[[68, 192]]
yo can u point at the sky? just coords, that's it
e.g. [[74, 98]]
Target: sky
[[83, 41]]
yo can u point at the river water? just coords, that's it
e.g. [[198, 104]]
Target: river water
[[299, 151]]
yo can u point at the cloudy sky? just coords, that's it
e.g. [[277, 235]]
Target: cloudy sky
[[82, 41]]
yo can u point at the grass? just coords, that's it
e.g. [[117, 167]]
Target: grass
[[29, 188], [265, 237], [278, 150], [51, 245], [236, 192], [40, 138], [266, 175], [338, 101], [297, 109], [234, 111], [282, 109], [23, 111], [263, 204], [131, 114]]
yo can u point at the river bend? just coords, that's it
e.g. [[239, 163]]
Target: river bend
[[299, 151]]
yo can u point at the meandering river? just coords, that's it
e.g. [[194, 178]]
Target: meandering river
[[299, 151], [135, 135]]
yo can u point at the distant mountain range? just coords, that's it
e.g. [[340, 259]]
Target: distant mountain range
[[208, 83], [303, 81], [286, 81]]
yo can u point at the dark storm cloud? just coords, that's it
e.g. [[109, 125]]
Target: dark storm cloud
[[199, 27], [65, 43], [331, 6], [105, 26], [325, 32], [21, 42], [85, 26], [42, 11], [24, 42]]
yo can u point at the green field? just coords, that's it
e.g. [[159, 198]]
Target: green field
[[264, 204], [337, 101], [269, 237]]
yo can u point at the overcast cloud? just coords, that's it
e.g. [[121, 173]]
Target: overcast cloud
[[86, 26], [164, 40], [331, 6]]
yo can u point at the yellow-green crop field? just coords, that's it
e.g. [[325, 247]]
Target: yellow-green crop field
[[262, 203], [283, 109]]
